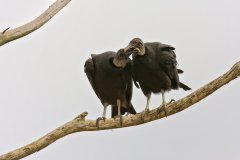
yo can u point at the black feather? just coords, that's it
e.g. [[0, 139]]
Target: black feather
[[110, 82], [156, 70]]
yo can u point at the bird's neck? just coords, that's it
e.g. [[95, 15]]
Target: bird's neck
[[119, 62]]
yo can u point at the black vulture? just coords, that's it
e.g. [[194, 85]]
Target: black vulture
[[155, 69], [110, 76]]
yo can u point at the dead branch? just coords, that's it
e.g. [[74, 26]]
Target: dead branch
[[79, 123], [13, 34]]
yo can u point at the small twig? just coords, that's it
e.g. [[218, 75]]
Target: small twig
[[5, 30], [81, 116]]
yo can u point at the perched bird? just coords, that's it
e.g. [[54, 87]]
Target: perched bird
[[110, 76], [155, 69]]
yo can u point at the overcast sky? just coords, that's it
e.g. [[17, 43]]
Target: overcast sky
[[43, 85]]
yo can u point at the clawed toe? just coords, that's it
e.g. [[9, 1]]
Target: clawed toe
[[121, 119], [146, 111], [98, 119], [162, 108], [172, 100]]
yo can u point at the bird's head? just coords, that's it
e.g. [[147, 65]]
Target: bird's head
[[136, 46], [121, 58], [123, 54]]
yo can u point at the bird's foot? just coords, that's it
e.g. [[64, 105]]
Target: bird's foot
[[172, 100], [162, 108], [98, 119], [145, 112], [121, 119]]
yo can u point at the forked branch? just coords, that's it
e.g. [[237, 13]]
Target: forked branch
[[79, 123], [9, 35]]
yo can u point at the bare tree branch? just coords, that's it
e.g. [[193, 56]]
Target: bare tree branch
[[79, 123], [13, 34]]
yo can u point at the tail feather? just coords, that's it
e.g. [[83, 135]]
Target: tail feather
[[184, 86], [175, 79], [179, 71]]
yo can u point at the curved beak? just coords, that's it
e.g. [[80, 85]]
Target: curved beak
[[129, 47], [128, 53]]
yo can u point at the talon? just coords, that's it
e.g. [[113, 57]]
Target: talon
[[146, 111], [172, 100], [98, 119], [142, 117], [121, 119], [162, 107]]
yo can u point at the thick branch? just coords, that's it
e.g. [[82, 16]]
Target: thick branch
[[13, 34], [79, 124]]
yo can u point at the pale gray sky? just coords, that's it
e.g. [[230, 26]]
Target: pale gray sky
[[43, 84]]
